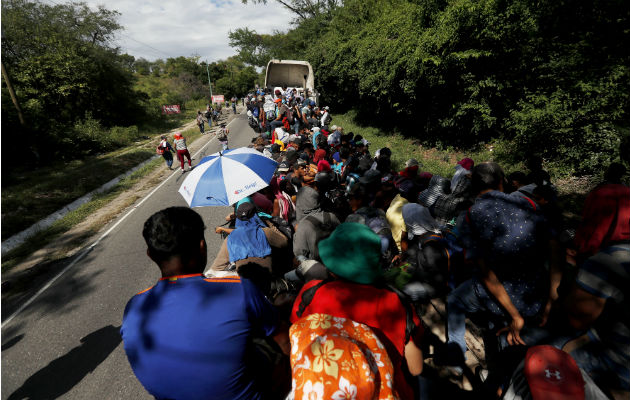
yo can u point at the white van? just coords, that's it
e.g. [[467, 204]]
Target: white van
[[297, 75]]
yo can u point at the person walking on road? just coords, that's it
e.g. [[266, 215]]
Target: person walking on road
[[223, 136], [165, 150], [234, 100], [200, 121], [182, 150], [208, 115]]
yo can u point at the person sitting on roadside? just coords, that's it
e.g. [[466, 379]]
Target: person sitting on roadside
[[509, 243], [425, 249], [374, 218], [251, 241], [355, 291], [605, 217], [183, 337], [313, 224], [598, 305]]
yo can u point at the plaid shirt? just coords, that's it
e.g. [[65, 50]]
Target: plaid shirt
[[448, 206]]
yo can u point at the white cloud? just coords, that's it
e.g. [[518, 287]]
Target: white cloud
[[162, 29]]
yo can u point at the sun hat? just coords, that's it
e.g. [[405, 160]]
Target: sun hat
[[553, 374], [352, 252], [438, 186]]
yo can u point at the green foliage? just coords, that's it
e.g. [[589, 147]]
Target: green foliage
[[547, 77], [61, 66]]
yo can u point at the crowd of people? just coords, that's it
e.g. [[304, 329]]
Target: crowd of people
[[320, 283]]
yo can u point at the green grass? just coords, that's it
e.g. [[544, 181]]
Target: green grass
[[72, 218], [435, 160], [439, 162], [36, 194], [572, 190], [33, 195]]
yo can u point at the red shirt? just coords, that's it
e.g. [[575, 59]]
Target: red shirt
[[380, 309], [605, 219]]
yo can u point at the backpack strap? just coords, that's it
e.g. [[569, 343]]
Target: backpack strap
[[410, 325], [307, 296], [530, 202]]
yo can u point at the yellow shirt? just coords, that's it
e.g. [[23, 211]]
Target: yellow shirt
[[395, 218]]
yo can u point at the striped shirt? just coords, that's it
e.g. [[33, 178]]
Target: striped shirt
[[607, 276], [180, 144]]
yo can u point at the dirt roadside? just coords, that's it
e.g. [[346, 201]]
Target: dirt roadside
[[46, 261]]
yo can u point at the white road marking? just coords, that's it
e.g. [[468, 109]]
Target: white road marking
[[87, 250]]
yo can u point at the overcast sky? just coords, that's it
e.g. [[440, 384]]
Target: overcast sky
[[161, 29]]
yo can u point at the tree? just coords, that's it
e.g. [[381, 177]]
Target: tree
[[63, 67], [305, 9]]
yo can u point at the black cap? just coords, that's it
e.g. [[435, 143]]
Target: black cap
[[245, 211]]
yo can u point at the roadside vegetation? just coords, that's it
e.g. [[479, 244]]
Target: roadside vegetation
[[86, 175], [84, 112], [550, 78]]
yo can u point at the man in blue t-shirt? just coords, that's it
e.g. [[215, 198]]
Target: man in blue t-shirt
[[189, 337]]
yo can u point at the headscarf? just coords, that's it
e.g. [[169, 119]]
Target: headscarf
[[340, 359], [320, 154], [466, 163], [323, 166], [409, 172], [418, 220], [284, 200], [248, 239], [306, 203], [461, 170]]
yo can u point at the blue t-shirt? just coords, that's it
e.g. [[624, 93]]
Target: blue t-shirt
[[188, 337]]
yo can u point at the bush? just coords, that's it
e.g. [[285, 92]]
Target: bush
[[123, 136]]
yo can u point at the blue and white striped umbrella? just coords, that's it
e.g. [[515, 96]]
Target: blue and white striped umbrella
[[223, 178]]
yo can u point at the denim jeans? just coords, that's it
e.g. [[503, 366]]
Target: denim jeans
[[201, 127], [275, 124], [460, 302]]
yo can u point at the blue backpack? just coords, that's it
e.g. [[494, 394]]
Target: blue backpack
[[256, 112]]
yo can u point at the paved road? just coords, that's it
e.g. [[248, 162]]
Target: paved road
[[66, 344]]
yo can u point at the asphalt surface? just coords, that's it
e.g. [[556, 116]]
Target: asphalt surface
[[66, 343]]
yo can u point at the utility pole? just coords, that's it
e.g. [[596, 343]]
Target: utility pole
[[209, 82], [13, 96]]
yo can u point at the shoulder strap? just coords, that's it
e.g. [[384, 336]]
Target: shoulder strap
[[307, 296], [410, 325], [530, 202]]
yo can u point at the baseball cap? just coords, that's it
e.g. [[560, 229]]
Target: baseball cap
[[245, 211], [552, 374], [283, 167]]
